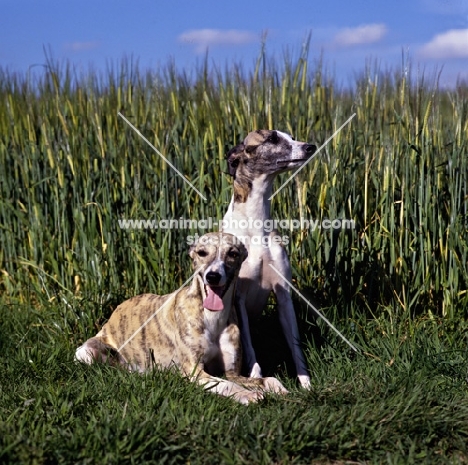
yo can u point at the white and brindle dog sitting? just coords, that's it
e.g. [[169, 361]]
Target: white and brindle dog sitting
[[194, 329], [254, 165]]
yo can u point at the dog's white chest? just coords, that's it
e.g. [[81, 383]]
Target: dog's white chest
[[214, 326], [253, 265]]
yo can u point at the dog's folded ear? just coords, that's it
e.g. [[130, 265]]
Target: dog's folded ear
[[244, 253], [192, 251], [233, 158]]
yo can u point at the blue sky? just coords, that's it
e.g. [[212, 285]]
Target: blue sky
[[433, 33]]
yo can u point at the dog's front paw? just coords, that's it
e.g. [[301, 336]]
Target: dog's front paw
[[256, 371], [247, 397], [271, 384], [305, 381]]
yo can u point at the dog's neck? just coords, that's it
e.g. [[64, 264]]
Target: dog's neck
[[251, 199]]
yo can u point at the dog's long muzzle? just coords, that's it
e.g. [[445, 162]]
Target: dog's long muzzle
[[309, 151]]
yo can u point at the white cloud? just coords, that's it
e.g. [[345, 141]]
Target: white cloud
[[81, 46], [449, 44], [203, 38], [364, 34]]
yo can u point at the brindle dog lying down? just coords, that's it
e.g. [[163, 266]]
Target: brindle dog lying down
[[194, 329]]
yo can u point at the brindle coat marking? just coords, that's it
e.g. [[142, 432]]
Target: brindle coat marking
[[177, 329], [254, 165]]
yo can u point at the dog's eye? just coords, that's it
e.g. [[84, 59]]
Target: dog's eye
[[202, 253], [273, 138], [233, 254]]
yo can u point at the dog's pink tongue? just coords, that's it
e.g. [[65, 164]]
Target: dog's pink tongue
[[213, 300]]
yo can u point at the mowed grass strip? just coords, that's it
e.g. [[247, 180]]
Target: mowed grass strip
[[404, 401]]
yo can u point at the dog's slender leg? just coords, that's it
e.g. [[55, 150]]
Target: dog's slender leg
[[288, 322], [231, 350], [230, 345], [248, 352]]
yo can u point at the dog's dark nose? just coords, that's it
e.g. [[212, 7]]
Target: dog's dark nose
[[310, 149], [213, 278]]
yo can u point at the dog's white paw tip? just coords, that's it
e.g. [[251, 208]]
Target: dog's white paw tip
[[84, 355], [271, 384], [305, 381], [256, 371]]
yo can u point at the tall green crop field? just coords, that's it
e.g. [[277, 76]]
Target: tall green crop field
[[71, 168]]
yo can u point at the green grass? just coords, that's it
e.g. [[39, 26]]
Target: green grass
[[404, 401], [396, 286]]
